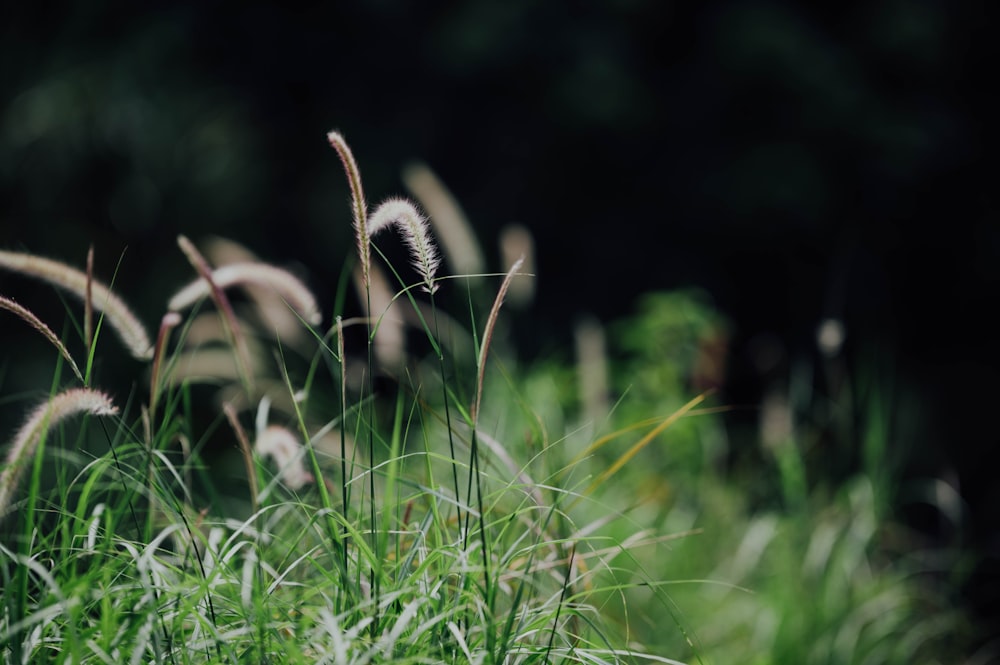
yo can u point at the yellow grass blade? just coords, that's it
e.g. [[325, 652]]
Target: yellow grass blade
[[640, 444]]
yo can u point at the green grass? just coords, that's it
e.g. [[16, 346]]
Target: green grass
[[123, 562], [452, 507], [793, 562], [428, 518]]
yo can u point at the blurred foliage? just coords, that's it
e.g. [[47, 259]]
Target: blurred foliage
[[824, 571], [675, 347]]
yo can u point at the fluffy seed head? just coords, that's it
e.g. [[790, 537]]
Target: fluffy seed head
[[270, 305], [117, 314], [413, 227], [231, 324], [282, 282], [286, 451], [57, 409], [358, 205], [36, 323]]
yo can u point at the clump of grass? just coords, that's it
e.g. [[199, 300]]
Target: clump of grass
[[411, 525]]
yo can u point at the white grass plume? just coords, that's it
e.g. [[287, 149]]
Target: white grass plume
[[284, 448], [413, 227], [214, 365], [55, 410], [270, 305], [119, 317], [399, 212], [592, 370], [37, 324], [235, 332], [280, 281], [517, 241]]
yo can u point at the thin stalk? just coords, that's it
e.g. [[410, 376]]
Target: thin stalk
[[360, 213], [562, 599], [230, 323], [88, 301], [317, 471], [484, 349], [447, 409], [343, 430], [375, 574]]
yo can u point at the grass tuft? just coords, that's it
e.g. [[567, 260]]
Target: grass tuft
[[327, 501]]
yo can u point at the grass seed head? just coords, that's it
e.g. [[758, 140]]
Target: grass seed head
[[358, 206], [413, 227], [116, 313], [282, 446], [279, 281], [45, 416]]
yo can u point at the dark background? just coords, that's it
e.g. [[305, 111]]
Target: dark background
[[797, 162]]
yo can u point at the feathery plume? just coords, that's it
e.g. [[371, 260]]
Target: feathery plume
[[282, 282], [216, 366], [232, 325], [36, 323], [204, 329], [451, 226], [592, 369], [284, 448], [119, 317], [57, 409], [358, 205], [270, 305], [515, 241], [413, 227], [223, 251]]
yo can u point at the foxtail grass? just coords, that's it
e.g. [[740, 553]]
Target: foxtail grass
[[121, 319], [281, 282], [413, 227], [276, 309], [517, 241], [332, 524], [28, 317], [359, 208], [231, 324], [27, 440]]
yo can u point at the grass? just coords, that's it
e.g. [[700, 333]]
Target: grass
[[793, 563], [295, 498], [285, 491]]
